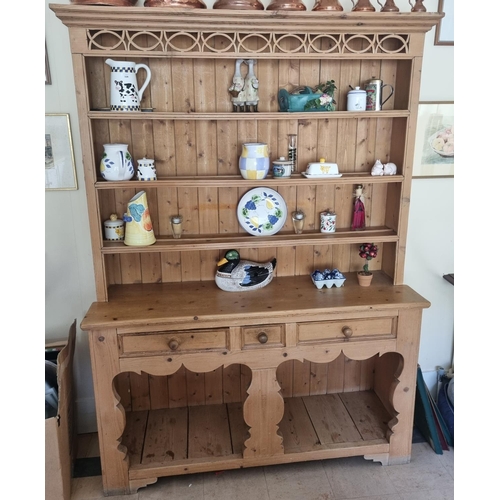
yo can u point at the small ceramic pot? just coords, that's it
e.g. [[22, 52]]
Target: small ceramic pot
[[114, 228], [328, 222], [282, 167], [146, 170], [356, 100]]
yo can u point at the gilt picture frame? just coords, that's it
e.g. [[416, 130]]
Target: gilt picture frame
[[434, 140], [60, 171]]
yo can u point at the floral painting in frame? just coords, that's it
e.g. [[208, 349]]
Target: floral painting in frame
[[435, 140]]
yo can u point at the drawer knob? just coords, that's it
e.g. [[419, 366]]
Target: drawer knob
[[173, 344], [262, 337], [347, 331]]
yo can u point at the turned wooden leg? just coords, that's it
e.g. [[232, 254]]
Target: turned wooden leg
[[263, 410], [110, 415]]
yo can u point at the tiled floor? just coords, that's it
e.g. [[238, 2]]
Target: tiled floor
[[427, 477]]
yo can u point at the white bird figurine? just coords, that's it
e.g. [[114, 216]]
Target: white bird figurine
[[235, 275], [378, 168]]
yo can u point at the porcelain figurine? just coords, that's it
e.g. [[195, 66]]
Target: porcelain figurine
[[237, 87], [390, 169], [236, 275], [251, 87], [378, 168]]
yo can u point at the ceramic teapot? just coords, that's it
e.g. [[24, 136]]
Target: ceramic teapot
[[116, 163], [124, 93]]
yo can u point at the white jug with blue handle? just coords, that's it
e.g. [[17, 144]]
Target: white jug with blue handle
[[124, 93]]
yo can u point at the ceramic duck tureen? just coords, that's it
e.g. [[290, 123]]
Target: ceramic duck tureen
[[236, 275]]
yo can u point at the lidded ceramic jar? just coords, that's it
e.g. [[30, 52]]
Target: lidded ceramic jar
[[282, 167], [328, 220], [114, 228], [356, 99]]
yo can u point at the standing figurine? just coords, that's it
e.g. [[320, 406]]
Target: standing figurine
[[358, 216], [251, 87], [237, 87]]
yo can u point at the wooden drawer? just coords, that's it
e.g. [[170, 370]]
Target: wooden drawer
[[170, 342], [262, 336], [347, 329]]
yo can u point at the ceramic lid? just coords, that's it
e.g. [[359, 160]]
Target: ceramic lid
[[114, 221], [282, 161], [327, 213], [357, 90]]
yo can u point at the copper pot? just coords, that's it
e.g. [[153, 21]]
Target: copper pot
[[286, 5], [363, 6], [389, 6], [114, 3], [191, 4], [332, 5], [238, 5]]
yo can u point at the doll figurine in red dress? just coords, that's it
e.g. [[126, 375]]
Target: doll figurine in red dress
[[358, 215]]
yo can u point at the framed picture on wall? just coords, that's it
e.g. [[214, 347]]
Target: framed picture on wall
[[445, 29], [435, 140], [60, 172], [48, 79]]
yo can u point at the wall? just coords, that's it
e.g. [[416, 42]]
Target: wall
[[69, 280]]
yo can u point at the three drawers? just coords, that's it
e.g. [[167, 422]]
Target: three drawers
[[169, 342], [344, 330]]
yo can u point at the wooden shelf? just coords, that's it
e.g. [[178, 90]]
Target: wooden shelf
[[238, 181], [218, 241], [221, 116], [175, 440]]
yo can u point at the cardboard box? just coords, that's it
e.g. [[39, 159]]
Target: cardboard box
[[59, 430]]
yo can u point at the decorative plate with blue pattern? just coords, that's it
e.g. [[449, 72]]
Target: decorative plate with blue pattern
[[262, 211]]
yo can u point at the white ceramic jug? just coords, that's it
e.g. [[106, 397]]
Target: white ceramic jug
[[116, 163], [124, 93]]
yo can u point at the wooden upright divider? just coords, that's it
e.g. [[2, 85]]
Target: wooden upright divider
[[191, 378]]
